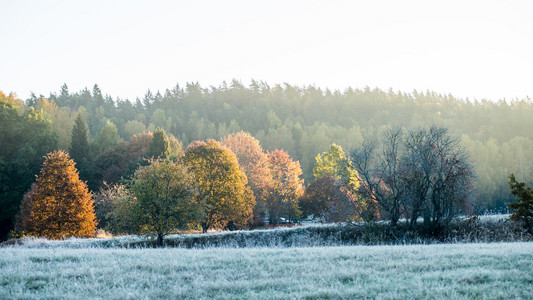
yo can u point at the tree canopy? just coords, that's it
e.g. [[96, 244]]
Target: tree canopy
[[59, 204], [25, 137], [521, 210], [225, 198], [306, 120], [421, 173], [165, 201], [328, 198], [254, 161], [302, 120], [160, 145], [286, 188]]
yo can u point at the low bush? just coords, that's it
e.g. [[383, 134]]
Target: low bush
[[461, 230]]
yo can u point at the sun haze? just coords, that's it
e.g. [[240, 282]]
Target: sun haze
[[474, 49]]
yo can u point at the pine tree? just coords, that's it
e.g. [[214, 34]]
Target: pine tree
[[160, 145], [59, 204], [64, 96], [79, 143], [522, 210], [97, 96]]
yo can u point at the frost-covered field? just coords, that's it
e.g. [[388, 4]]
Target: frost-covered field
[[493, 271]]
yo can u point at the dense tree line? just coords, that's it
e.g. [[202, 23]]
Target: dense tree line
[[110, 138], [306, 120]]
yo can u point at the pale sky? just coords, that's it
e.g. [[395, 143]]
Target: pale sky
[[475, 49]]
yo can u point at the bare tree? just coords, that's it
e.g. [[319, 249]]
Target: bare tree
[[423, 173], [379, 172]]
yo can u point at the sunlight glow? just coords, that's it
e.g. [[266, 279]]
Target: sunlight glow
[[475, 49]]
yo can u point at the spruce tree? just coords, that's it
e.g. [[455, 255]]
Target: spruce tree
[[59, 204], [80, 151], [521, 210], [160, 145], [79, 143]]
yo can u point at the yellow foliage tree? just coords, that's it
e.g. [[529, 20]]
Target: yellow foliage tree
[[58, 205], [225, 198]]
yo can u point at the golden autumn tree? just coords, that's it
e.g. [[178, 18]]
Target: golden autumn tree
[[59, 204], [286, 188], [254, 162], [225, 198]]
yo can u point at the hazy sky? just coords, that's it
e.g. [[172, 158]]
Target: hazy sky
[[475, 49]]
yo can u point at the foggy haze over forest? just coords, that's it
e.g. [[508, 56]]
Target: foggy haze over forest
[[475, 49]]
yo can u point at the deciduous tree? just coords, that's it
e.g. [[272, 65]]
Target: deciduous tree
[[225, 198], [422, 173], [106, 202], [59, 205], [286, 188], [123, 159], [254, 161], [334, 163], [108, 137], [165, 200], [25, 137], [328, 198]]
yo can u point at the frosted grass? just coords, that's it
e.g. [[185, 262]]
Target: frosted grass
[[458, 271], [482, 229]]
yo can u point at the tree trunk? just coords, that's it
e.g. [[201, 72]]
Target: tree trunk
[[394, 222], [159, 240]]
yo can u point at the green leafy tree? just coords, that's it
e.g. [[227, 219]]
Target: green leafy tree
[[165, 199], [334, 163], [521, 210], [58, 205], [108, 137], [160, 145], [25, 137], [133, 127], [61, 118], [225, 198]]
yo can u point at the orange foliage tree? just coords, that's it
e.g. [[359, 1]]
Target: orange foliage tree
[[59, 204], [254, 162], [287, 186]]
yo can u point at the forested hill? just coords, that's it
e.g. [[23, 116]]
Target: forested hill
[[306, 120]]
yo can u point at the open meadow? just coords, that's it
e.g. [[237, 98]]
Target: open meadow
[[456, 271]]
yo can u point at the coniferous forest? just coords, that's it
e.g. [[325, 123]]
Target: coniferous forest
[[303, 121]]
